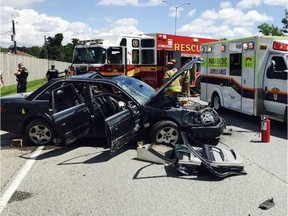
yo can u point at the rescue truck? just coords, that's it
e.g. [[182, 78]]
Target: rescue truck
[[248, 75], [141, 55]]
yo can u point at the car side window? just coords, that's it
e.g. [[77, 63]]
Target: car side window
[[65, 98]]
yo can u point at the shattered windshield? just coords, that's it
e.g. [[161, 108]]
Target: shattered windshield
[[89, 55], [139, 90]]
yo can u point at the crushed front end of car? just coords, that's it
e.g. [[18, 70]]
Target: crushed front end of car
[[204, 123]]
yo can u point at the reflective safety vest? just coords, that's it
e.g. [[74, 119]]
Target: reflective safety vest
[[186, 76], [175, 86]]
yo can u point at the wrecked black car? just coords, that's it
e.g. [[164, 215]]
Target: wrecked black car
[[119, 108]]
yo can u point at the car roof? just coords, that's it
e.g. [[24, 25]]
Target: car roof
[[89, 74], [69, 79]]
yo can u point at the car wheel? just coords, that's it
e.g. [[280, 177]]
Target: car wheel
[[39, 132], [216, 103], [165, 132]]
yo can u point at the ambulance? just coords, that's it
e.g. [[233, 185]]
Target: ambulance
[[248, 75], [140, 55]]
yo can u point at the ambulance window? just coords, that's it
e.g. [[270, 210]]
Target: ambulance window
[[123, 42], [135, 56], [147, 43], [277, 71], [147, 56], [235, 64], [115, 55], [280, 63]]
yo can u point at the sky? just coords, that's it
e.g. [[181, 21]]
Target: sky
[[85, 19]]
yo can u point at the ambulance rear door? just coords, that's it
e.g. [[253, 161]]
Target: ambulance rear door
[[248, 76]]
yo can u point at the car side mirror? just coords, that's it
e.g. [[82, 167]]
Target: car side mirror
[[272, 63]]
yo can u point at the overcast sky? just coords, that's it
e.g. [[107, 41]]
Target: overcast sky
[[85, 19]]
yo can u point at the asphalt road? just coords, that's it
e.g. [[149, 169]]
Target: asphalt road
[[84, 179]]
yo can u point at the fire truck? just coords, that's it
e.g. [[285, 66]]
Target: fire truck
[[248, 75], [143, 56]]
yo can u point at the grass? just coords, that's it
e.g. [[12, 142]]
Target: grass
[[12, 89]]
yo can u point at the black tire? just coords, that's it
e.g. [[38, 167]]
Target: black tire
[[216, 103], [165, 132], [38, 132]]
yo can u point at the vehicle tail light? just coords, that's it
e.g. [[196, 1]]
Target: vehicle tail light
[[280, 46], [2, 110]]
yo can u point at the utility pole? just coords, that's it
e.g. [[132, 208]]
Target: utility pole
[[176, 11], [46, 48], [13, 37]]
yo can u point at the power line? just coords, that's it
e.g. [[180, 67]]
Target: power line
[[6, 32]]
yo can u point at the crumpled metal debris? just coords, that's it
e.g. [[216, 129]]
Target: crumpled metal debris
[[267, 204]]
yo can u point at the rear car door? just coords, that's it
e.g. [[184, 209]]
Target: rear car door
[[122, 127], [70, 113]]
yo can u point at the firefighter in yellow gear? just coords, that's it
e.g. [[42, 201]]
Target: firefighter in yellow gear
[[185, 81], [174, 89]]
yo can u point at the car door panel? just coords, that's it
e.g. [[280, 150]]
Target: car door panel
[[71, 115], [121, 128]]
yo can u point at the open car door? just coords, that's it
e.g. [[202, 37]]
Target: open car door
[[122, 127], [71, 115]]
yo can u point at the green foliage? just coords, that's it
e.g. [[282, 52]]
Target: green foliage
[[53, 49], [285, 22], [267, 29], [5, 50], [34, 50], [12, 89], [273, 30], [67, 52]]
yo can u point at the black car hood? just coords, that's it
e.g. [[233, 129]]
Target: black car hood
[[161, 90]]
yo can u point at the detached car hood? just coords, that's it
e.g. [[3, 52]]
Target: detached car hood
[[189, 65]]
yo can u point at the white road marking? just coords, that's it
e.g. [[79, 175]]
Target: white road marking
[[10, 188]]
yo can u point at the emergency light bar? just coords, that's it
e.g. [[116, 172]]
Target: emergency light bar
[[280, 46]]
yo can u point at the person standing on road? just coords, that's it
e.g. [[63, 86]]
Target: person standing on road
[[185, 83], [174, 89], [52, 73], [21, 78]]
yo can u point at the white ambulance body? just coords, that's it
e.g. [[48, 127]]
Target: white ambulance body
[[248, 75]]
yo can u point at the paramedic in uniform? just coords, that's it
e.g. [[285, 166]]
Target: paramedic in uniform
[[52, 73], [174, 89]]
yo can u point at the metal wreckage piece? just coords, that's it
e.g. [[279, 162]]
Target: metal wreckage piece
[[187, 159]]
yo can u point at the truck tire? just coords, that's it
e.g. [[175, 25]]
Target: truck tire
[[216, 103], [38, 132], [165, 132]]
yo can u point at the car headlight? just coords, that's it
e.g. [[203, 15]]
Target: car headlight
[[207, 118]]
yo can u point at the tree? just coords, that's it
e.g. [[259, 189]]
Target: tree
[[34, 50], [285, 22], [53, 47], [267, 29]]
